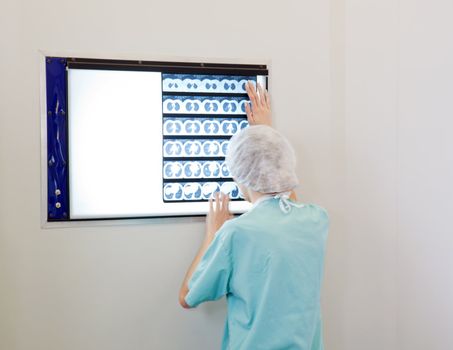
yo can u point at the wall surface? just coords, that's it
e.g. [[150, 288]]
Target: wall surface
[[370, 97], [115, 287], [425, 174], [398, 163], [363, 90]]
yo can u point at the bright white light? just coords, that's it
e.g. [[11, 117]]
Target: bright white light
[[115, 146]]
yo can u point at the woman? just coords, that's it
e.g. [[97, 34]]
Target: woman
[[269, 261]]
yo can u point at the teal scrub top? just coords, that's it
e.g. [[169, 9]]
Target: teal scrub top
[[269, 264]]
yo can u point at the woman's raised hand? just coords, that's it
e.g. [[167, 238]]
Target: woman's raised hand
[[259, 109]]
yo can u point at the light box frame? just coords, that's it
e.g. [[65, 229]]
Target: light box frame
[[123, 65]]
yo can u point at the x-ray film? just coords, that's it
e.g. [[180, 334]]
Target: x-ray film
[[200, 114]]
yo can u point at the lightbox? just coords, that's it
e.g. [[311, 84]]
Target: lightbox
[[133, 139]]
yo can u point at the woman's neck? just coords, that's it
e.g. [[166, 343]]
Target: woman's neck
[[254, 196]]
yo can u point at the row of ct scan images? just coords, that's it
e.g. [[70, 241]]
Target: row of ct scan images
[[195, 148], [204, 105], [191, 191], [195, 169], [203, 83], [218, 127]]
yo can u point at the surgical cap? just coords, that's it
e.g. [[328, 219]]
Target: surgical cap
[[261, 159]]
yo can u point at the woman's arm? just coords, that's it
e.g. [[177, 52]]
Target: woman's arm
[[218, 214], [184, 287]]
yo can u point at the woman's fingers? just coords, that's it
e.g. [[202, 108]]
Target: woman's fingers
[[261, 98], [217, 202], [267, 97], [211, 206], [252, 94], [249, 113], [259, 109], [250, 89], [226, 200]]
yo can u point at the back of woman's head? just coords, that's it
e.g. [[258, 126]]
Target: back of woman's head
[[261, 159]]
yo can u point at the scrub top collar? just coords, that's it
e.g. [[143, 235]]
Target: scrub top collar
[[284, 202]]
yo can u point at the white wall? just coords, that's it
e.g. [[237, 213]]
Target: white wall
[[370, 171], [362, 88], [425, 175], [116, 287], [396, 59]]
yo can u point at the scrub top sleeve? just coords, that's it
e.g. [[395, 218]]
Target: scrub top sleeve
[[210, 280]]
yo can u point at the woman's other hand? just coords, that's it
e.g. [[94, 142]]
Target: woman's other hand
[[259, 113], [218, 214]]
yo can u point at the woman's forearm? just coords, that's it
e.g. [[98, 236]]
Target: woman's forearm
[[193, 266]]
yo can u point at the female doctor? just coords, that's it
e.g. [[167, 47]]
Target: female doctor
[[269, 261]]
